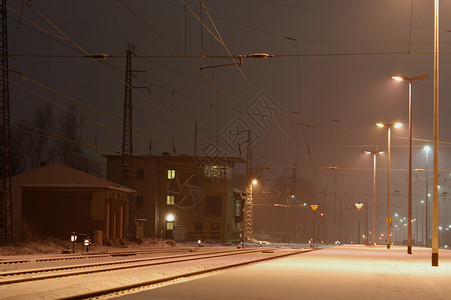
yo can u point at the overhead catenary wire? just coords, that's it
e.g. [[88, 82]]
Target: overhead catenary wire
[[96, 61], [283, 36], [246, 79]]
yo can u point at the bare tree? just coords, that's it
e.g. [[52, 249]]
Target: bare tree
[[42, 123], [69, 151]]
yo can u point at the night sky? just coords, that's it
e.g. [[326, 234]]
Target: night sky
[[330, 80]]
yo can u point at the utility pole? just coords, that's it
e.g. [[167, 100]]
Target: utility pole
[[248, 216], [292, 228], [127, 125], [6, 222], [127, 130]]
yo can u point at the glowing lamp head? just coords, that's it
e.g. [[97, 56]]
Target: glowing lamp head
[[170, 218], [397, 125], [427, 148], [380, 125], [397, 77], [358, 206], [254, 182]]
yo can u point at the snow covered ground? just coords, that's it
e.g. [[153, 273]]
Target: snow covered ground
[[344, 272]]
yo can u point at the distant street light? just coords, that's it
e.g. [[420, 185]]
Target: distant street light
[[170, 220], [359, 207], [388, 220], [73, 239], [374, 191], [409, 198], [314, 208]]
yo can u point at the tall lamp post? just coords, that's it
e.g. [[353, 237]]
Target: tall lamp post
[[395, 125], [314, 207], [427, 149], [359, 207], [374, 190], [435, 206], [409, 198]]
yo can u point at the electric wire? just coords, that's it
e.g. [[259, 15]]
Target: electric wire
[[87, 55], [247, 81]]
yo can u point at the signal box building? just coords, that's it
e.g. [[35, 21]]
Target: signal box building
[[56, 200], [181, 197]]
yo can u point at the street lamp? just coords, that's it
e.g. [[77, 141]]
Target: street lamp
[[170, 226], [409, 199], [374, 190], [73, 239], [359, 207], [435, 206], [426, 149], [314, 208], [388, 220]]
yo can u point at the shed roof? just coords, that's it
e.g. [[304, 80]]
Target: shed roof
[[57, 175]]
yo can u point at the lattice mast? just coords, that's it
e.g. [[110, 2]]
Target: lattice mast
[[248, 216], [6, 222], [127, 126]]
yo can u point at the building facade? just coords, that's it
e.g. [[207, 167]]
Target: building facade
[[56, 200], [181, 197]]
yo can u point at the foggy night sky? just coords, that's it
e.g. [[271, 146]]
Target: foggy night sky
[[341, 80]]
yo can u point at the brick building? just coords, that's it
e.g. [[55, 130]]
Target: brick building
[[196, 191]]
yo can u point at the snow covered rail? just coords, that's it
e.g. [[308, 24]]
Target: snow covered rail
[[96, 281], [127, 252], [42, 273]]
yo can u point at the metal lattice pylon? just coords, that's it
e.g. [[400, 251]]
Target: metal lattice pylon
[[127, 128], [248, 214], [6, 222]]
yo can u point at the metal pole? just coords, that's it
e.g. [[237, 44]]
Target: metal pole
[[427, 202], [388, 194], [409, 224], [374, 199], [435, 205], [358, 230]]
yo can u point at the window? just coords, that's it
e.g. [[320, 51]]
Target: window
[[171, 174], [213, 205], [170, 200], [139, 200], [140, 174]]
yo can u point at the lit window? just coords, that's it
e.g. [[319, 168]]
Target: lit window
[[171, 174], [170, 225], [170, 200]]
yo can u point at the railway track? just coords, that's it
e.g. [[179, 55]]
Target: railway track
[[96, 279], [144, 251]]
